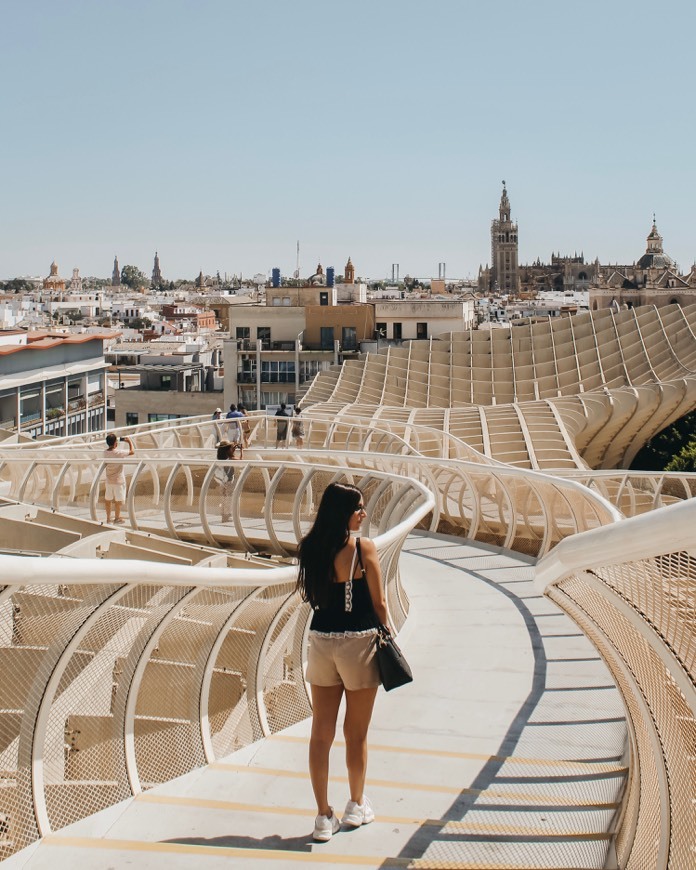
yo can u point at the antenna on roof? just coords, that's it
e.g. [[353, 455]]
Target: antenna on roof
[[297, 267]]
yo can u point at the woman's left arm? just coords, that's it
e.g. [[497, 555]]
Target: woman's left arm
[[368, 551]]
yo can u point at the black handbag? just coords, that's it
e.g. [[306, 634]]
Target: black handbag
[[394, 670]]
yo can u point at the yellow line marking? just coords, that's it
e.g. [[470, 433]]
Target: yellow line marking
[[584, 766], [221, 851], [318, 857], [308, 812], [418, 786], [232, 806]]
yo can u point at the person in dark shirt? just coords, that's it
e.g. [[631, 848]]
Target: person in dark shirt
[[282, 424], [340, 577]]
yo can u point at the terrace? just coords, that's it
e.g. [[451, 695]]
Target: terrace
[[154, 709]]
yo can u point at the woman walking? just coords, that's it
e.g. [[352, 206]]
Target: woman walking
[[224, 475], [341, 579]]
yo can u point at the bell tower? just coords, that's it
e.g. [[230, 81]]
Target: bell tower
[[349, 273], [156, 271], [504, 274]]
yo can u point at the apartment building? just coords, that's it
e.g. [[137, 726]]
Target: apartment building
[[163, 380], [52, 383]]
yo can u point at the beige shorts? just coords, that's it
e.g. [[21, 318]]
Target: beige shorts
[[334, 660], [115, 492]]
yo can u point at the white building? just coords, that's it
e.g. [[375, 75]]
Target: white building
[[407, 319], [52, 383]]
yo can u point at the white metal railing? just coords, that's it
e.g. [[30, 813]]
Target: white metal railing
[[121, 674], [321, 431], [171, 493], [635, 492], [632, 590]]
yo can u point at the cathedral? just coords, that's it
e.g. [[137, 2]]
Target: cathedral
[[506, 276], [653, 280]]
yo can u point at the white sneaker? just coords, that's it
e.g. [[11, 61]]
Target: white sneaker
[[325, 827], [358, 814]]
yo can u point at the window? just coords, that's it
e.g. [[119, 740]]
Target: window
[[310, 368], [263, 333], [396, 331], [131, 418], [273, 398], [246, 372], [157, 418], [324, 298], [278, 371], [242, 332], [349, 339], [277, 301], [381, 329], [166, 382], [421, 330], [327, 337]]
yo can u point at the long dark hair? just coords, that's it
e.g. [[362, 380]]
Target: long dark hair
[[328, 535]]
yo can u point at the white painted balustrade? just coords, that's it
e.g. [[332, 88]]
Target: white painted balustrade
[[128, 658]]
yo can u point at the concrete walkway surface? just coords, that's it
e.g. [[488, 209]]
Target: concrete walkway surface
[[505, 752]]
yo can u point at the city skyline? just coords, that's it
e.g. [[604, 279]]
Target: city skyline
[[221, 134]]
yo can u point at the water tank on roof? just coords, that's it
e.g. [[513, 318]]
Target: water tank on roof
[[275, 277], [330, 276]]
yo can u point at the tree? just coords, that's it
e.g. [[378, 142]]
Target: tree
[[17, 285], [140, 323], [132, 277], [677, 440], [685, 460]]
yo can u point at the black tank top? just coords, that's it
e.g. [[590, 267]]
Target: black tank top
[[350, 606]]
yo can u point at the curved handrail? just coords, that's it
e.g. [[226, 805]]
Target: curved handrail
[[484, 502], [635, 492], [120, 672], [632, 590]]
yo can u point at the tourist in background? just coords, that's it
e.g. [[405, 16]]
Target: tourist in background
[[224, 475], [282, 425], [297, 428], [234, 432], [115, 492], [246, 429]]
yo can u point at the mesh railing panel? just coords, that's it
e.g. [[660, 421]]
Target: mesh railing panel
[[659, 595], [109, 689]]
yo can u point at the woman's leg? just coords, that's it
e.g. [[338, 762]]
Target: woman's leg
[[359, 704], [325, 703]]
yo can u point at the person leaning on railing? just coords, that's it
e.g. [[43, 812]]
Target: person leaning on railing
[[340, 577]]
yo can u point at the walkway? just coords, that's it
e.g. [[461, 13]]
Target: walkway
[[505, 751]]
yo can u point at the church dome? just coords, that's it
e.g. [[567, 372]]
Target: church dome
[[656, 261], [54, 281], [654, 256]]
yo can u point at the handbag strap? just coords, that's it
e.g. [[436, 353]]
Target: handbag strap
[[356, 557], [383, 630], [359, 555]]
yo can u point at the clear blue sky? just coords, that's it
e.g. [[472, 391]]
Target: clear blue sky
[[220, 132]]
